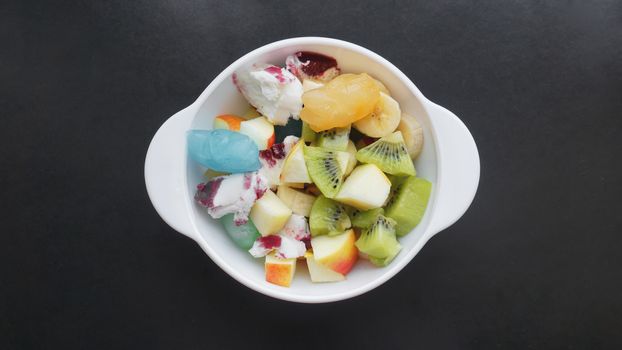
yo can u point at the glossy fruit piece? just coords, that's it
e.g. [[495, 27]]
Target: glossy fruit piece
[[413, 134], [223, 150], [260, 130], [383, 120], [299, 202], [228, 122], [408, 202], [279, 271], [328, 217], [339, 103], [389, 154], [366, 188], [338, 253], [378, 242], [269, 214], [242, 235], [320, 273]]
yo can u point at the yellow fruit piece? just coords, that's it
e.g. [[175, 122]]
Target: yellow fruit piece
[[341, 102], [383, 120]]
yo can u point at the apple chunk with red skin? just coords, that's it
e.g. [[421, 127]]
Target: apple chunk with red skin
[[320, 273], [338, 253], [280, 271]]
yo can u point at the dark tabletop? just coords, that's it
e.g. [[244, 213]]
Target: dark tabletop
[[86, 262]]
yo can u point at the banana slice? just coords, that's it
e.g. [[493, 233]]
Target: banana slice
[[382, 87], [412, 133], [383, 120]]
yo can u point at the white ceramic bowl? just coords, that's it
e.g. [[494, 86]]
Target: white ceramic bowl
[[449, 160]]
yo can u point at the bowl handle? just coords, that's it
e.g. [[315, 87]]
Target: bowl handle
[[165, 170], [458, 170]]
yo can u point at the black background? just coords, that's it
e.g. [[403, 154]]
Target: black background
[[85, 261]]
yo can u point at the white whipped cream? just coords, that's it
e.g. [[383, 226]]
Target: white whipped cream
[[234, 193], [289, 238], [272, 160], [274, 91]]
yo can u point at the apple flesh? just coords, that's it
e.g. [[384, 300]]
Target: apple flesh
[[259, 130], [366, 188], [300, 203], [351, 149], [269, 214], [338, 253], [279, 271], [294, 168], [320, 273]]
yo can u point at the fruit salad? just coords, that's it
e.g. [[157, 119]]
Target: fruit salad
[[320, 170]]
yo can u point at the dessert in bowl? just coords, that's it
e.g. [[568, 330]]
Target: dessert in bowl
[[447, 160]]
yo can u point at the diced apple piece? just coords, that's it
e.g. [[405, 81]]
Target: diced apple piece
[[269, 214], [294, 168], [343, 158], [338, 253], [320, 273], [300, 203], [366, 188], [279, 271], [260, 130], [228, 122], [352, 157]]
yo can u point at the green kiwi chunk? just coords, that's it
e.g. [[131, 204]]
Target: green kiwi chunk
[[328, 217], [307, 133], [407, 203], [365, 218], [324, 170], [379, 242], [335, 139], [389, 154]]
